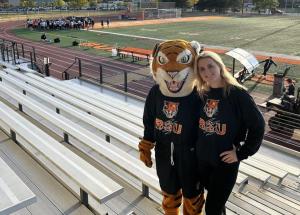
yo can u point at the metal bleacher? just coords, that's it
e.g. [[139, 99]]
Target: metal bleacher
[[14, 194], [89, 180], [106, 115], [105, 131]]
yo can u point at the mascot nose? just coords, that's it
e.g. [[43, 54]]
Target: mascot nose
[[172, 74]]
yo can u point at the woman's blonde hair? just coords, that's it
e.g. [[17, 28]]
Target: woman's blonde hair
[[229, 80]]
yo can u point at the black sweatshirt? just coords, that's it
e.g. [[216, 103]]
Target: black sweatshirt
[[173, 124], [171, 119], [226, 121]]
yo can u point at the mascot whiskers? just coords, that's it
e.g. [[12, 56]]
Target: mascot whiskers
[[170, 122]]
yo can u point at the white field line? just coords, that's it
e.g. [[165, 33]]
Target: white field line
[[126, 35]]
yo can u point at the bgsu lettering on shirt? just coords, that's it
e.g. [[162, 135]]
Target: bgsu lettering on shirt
[[209, 127], [169, 126]]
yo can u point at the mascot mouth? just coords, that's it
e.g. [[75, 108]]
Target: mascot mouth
[[175, 86]]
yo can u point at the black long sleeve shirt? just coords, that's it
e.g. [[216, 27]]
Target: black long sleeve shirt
[[171, 119], [226, 121]]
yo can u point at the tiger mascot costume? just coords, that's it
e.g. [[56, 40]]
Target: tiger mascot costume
[[170, 122]]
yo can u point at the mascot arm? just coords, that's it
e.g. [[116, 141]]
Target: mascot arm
[[147, 143], [149, 116]]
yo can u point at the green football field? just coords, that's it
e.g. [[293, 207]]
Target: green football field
[[277, 34], [272, 34]]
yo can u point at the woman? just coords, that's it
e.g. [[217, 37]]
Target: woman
[[290, 88], [228, 116]]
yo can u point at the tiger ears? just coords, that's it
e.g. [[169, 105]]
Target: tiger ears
[[197, 47], [155, 50]]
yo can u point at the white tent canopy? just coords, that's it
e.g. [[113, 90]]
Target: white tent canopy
[[245, 58]]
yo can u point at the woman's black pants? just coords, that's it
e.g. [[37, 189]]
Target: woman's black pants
[[218, 181]]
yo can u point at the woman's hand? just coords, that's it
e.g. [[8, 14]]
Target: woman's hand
[[229, 156]]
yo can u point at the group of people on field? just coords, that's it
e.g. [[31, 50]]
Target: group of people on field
[[199, 137], [61, 23]]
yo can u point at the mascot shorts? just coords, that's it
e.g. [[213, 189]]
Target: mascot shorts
[[178, 170]]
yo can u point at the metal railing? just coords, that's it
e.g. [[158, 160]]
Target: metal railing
[[13, 52], [16, 53], [103, 73], [114, 76]]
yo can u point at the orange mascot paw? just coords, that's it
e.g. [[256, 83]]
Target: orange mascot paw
[[145, 152]]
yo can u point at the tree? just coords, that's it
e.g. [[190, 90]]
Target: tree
[[78, 3], [92, 3], [179, 3], [59, 3], [4, 5], [191, 3], [282, 3], [220, 5], [27, 3], [265, 4]]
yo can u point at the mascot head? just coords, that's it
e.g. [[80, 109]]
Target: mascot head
[[172, 67]]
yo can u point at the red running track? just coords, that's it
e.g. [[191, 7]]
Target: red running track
[[61, 58]]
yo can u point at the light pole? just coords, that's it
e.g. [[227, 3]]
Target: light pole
[[243, 7]]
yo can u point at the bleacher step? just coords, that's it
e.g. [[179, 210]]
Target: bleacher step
[[274, 171], [255, 173], [279, 164], [3, 136], [290, 195], [246, 206], [53, 197], [264, 202], [272, 200], [237, 210], [43, 127], [259, 204], [127, 199]]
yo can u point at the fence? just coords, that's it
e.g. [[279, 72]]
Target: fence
[[108, 75], [102, 73], [16, 53], [162, 13], [9, 51]]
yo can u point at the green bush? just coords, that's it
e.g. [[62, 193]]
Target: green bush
[[75, 43], [57, 40]]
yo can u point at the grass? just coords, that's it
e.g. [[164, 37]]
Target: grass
[[276, 34], [272, 34], [258, 88], [70, 35], [66, 39]]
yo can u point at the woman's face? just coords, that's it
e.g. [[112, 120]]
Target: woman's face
[[210, 72]]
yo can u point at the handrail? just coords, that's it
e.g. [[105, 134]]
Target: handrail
[[110, 66], [70, 66], [65, 74]]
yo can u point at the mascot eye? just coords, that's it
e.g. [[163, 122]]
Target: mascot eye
[[162, 60], [185, 59]]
